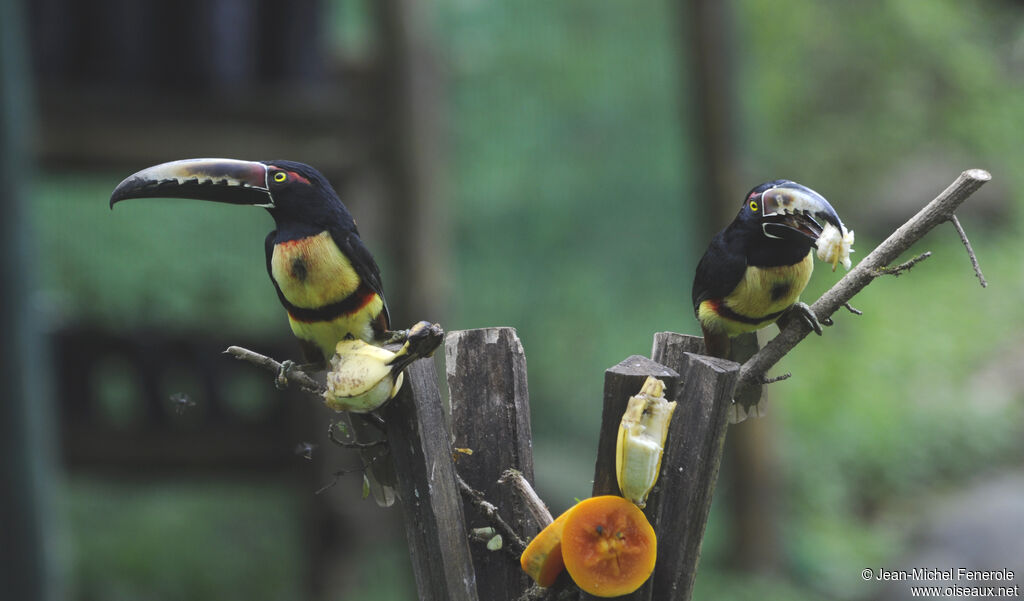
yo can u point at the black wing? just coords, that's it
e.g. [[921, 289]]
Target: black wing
[[719, 271], [352, 246]]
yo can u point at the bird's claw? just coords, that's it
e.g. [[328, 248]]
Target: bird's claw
[[281, 381], [809, 317], [420, 341], [394, 337]]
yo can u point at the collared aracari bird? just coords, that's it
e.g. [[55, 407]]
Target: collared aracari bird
[[324, 275], [755, 269]]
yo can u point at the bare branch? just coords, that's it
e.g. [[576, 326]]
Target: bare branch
[[351, 444], [902, 267], [937, 211], [970, 251], [529, 496], [515, 545], [337, 477], [294, 376]]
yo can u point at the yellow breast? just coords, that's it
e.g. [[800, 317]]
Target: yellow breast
[[312, 272], [767, 290], [762, 292]]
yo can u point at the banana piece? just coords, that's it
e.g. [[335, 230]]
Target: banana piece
[[361, 378], [641, 441], [835, 246], [364, 376]]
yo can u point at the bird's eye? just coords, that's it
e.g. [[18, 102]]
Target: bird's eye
[[280, 176], [753, 206]]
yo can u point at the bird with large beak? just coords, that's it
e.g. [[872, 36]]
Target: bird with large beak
[[324, 275], [755, 269]]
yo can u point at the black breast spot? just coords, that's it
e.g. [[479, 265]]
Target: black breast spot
[[298, 269], [780, 290]]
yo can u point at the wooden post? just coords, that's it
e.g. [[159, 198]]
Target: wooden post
[[434, 523], [678, 509], [490, 410]]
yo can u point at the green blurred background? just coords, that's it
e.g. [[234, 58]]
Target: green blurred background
[[568, 194]]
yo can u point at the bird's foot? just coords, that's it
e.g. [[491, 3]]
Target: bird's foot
[[394, 337], [281, 381], [807, 314], [420, 341], [287, 367]]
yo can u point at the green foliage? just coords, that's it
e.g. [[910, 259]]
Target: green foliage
[[199, 540], [841, 93], [177, 264], [567, 171]]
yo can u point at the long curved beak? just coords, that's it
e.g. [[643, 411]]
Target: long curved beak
[[794, 211], [219, 180]]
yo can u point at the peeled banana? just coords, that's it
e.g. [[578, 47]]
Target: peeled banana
[[641, 441], [363, 376]]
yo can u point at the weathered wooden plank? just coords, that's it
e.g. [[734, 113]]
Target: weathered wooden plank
[[693, 452], [490, 410], [420, 444], [668, 347]]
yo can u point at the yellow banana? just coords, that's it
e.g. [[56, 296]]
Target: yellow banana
[[641, 441], [363, 376]]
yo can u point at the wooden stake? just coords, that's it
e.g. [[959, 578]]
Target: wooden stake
[[431, 503], [490, 416]]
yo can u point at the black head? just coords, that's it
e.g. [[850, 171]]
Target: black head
[[785, 210], [299, 192]]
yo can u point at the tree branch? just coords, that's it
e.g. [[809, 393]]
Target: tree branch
[[516, 545], [529, 496], [293, 376], [937, 211]]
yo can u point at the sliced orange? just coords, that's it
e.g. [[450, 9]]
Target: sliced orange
[[542, 559], [608, 546]]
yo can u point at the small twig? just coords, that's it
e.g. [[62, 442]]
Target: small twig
[[784, 376], [351, 444], [515, 544], [297, 377], [337, 476], [534, 505], [970, 251], [902, 268], [828, 320]]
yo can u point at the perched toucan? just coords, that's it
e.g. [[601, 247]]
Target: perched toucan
[[324, 275], [755, 269]]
